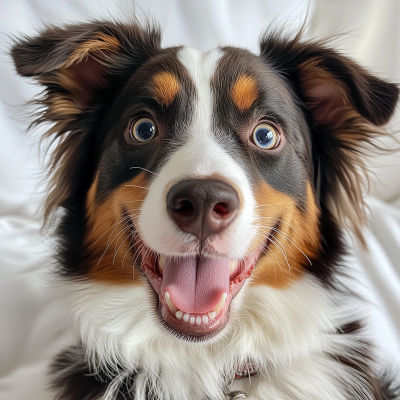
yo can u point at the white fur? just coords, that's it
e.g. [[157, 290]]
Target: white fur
[[200, 157], [288, 332]]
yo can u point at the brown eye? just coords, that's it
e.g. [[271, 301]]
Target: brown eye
[[266, 136], [143, 130]]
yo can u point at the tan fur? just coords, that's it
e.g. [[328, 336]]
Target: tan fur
[[100, 43], [64, 106], [115, 265], [244, 92], [298, 233], [312, 75], [165, 87]]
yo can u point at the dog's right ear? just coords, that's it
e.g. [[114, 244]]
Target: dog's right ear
[[81, 67], [76, 60]]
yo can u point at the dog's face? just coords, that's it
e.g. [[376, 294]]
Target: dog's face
[[196, 172], [209, 168]]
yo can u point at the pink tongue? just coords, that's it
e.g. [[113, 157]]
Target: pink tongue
[[195, 284]]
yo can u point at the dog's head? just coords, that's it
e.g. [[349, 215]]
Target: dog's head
[[195, 171]]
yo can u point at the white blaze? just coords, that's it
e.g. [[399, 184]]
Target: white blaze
[[200, 157]]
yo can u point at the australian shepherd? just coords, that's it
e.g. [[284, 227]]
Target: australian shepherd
[[200, 200]]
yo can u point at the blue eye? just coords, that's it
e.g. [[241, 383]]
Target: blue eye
[[143, 130], [266, 136]]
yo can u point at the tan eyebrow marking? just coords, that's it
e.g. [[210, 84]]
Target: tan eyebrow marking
[[166, 87], [244, 92]]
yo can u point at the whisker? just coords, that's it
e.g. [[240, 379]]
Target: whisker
[[137, 253], [270, 229], [151, 172], [281, 220], [273, 205], [117, 250], [109, 229], [283, 252], [283, 249], [126, 215], [134, 244], [294, 244], [267, 254], [276, 258], [141, 187], [121, 231], [126, 219], [108, 244]]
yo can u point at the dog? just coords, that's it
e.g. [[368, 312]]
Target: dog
[[200, 201]]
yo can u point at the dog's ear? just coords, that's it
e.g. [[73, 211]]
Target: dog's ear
[[345, 105], [81, 67], [74, 61]]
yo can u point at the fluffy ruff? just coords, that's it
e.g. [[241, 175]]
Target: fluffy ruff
[[290, 334]]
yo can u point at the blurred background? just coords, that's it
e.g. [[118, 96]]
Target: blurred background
[[34, 318]]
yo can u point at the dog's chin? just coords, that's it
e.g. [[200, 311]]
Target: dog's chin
[[196, 323]]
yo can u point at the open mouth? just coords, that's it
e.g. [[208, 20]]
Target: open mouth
[[195, 292]]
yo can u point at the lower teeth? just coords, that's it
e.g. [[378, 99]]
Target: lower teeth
[[193, 319]]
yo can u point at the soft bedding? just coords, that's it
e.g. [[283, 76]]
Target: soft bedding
[[34, 317]]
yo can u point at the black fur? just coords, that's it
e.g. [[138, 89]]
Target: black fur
[[95, 140], [73, 379]]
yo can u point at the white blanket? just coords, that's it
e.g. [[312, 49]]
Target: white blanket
[[34, 319]]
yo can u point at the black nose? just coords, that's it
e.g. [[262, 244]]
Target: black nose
[[202, 207]]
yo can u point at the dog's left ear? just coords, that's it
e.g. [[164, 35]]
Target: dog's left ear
[[344, 105]]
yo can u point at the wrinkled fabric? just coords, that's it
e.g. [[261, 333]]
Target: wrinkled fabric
[[35, 320]]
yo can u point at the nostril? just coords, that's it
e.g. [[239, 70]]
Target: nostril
[[221, 210], [184, 208]]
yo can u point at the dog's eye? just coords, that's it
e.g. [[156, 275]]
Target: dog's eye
[[266, 136], [143, 130]]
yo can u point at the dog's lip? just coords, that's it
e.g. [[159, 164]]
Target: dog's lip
[[214, 321], [194, 332], [206, 329]]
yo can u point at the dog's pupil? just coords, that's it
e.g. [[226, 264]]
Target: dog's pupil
[[264, 136], [145, 130]]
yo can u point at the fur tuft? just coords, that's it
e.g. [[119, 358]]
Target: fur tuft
[[345, 106]]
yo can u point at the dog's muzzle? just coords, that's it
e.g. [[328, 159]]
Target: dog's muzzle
[[195, 289]]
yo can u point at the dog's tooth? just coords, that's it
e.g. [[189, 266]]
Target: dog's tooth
[[198, 320], [171, 305], [192, 319], [179, 314], [204, 319], [212, 315], [221, 302], [161, 263], [186, 317], [232, 265]]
